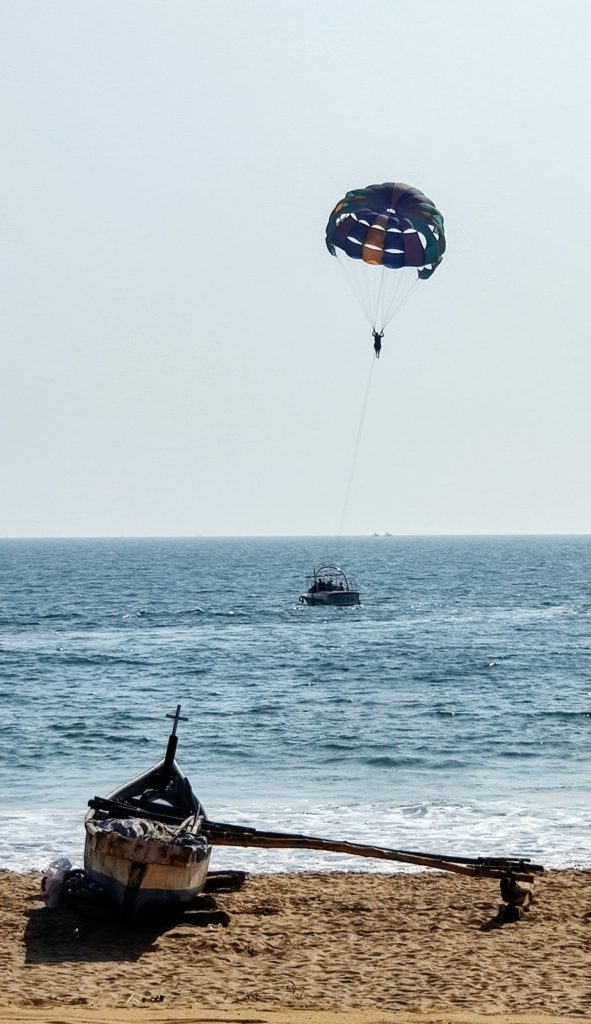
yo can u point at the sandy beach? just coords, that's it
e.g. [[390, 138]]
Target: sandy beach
[[306, 947]]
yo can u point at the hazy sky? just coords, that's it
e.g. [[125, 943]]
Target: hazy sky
[[180, 354]]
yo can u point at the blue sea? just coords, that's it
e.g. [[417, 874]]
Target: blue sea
[[450, 712]]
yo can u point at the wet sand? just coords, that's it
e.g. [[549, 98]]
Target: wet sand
[[314, 948]]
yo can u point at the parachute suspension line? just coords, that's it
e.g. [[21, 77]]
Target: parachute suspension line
[[356, 449], [393, 299], [404, 298], [380, 316], [358, 284], [380, 291]]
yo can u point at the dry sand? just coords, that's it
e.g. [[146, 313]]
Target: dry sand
[[307, 949]]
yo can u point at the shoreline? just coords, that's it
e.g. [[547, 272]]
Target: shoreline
[[352, 946]]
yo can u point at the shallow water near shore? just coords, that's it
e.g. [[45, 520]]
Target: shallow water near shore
[[451, 712]]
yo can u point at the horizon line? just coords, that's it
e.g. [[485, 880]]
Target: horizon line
[[288, 536]]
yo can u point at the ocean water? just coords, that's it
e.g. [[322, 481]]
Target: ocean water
[[450, 712]]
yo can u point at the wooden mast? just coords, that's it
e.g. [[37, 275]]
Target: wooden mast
[[173, 740]]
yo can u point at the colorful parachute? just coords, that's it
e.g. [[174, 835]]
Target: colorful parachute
[[393, 232]]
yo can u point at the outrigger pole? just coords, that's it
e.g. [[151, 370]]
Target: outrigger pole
[[519, 868]]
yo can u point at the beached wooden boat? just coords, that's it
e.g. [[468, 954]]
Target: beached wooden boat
[[148, 843], [144, 842]]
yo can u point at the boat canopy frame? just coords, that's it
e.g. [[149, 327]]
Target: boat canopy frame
[[328, 572]]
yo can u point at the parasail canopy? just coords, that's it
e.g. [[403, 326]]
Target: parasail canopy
[[390, 229]]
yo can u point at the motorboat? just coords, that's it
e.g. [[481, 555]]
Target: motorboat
[[328, 585]]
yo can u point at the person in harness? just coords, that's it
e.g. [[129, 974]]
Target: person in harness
[[377, 342]]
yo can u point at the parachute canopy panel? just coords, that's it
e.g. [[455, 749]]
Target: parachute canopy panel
[[390, 225]]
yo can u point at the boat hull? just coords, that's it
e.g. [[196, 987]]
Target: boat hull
[[139, 874], [335, 598]]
